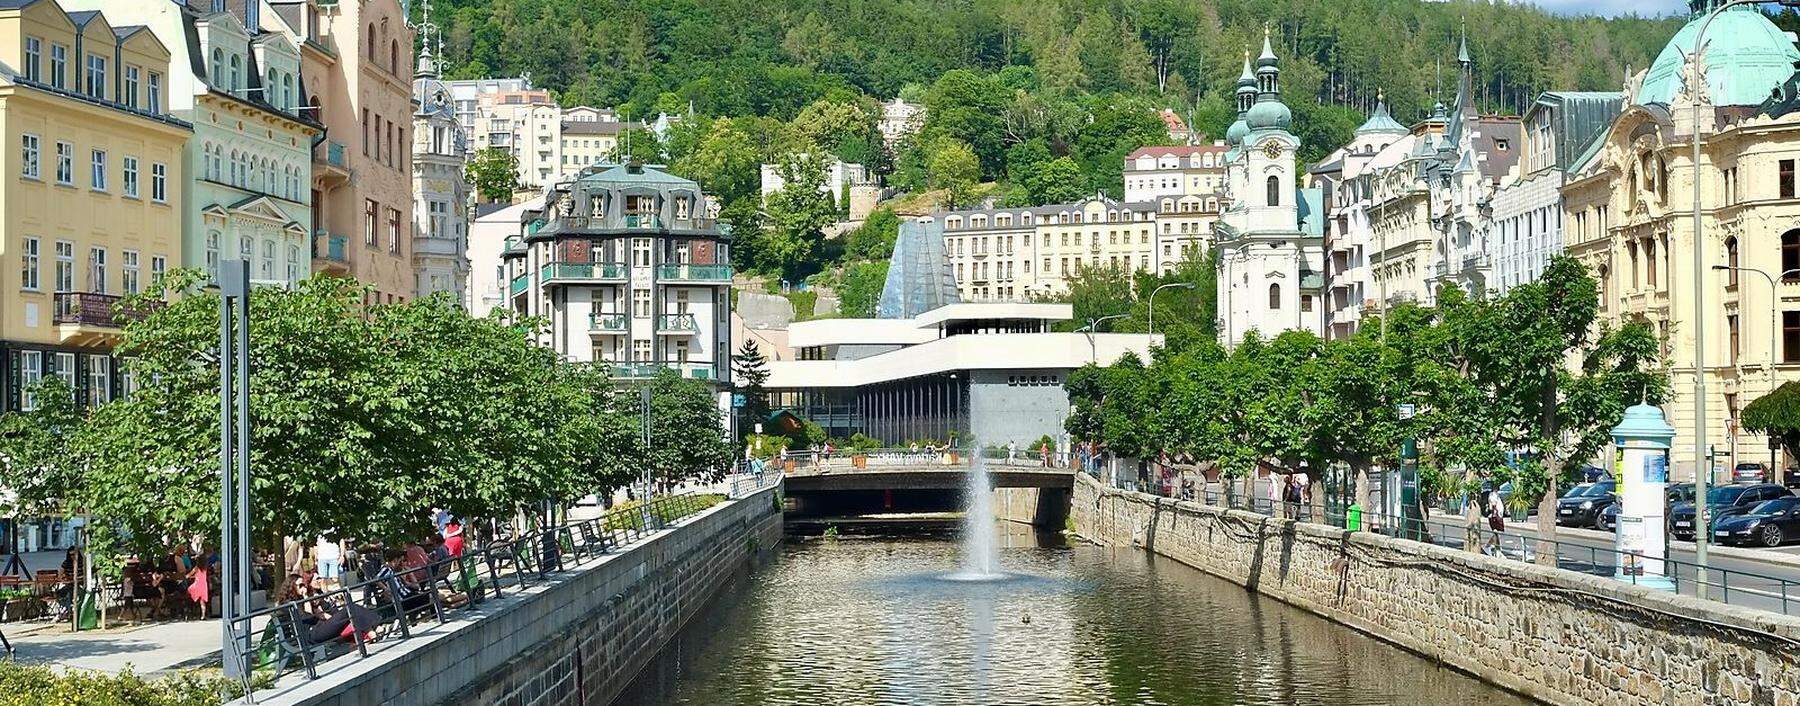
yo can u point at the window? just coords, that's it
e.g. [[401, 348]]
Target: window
[[65, 266], [28, 264], [1790, 255], [293, 264], [133, 75], [59, 65], [1731, 261], [640, 252], [159, 182], [1306, 303], [371, 212], [97, 170], [65, 163], [1275, 296], [393, 230], [97, 270], [31, 372], [1274, 190], [28, 156], [1731, 328], [1790, 337], [34, 51], [237, 73], [99, 379], [65, 369], [365, 132], [267, 265], [246, 248], [212, 255], [131, 177], [96, 76], [216, 70], [640, 303], [1787, 178], [128, 263], [153, 93], [158, 265]]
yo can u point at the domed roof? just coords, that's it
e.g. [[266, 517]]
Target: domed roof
[[1747, 56], [1380, 122], [1269, 114], [1235, 134]]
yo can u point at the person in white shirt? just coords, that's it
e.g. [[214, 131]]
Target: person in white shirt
[[330, 557]]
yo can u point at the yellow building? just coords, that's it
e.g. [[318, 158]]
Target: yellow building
[[1018, 254], [91, 194], [1627, 215]]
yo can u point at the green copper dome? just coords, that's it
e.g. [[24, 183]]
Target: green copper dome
[[1269, 114], [1235, 134], [1747, 56], [1380, 122]]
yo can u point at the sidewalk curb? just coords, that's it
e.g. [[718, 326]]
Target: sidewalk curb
[[1759, 555]]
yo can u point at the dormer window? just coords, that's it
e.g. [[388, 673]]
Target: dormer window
[[681, 208], [96, 76], [237, 73]]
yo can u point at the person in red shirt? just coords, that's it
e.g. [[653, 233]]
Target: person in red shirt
[[453, 538]]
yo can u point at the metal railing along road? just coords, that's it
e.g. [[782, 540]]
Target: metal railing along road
[[910, 457], [448, 586], [1730, 586]]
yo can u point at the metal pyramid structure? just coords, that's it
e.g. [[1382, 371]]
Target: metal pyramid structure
[[918, 277]]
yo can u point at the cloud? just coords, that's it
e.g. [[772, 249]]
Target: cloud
[[1611, 8]]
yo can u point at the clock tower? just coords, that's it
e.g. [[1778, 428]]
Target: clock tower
[[1269, 151]]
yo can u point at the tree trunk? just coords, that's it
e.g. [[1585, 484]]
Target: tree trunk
[[1546, 547], [1362, 490], [1472, 511]]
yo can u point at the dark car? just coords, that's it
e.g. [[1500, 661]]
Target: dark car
[[1722, 502], [1769, 524], [1672, 495], [1582, 507]]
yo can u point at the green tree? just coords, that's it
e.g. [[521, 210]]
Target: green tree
[[1057, 181], [687, 441], [40, 466], [750, 368], [874, 239], [954, 169], [1777, 414], [830, 125], [859, 290], [725, 162], [795, 218], [494, 172]]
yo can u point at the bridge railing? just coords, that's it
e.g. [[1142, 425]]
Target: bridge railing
[[804, 460], [317, 629]]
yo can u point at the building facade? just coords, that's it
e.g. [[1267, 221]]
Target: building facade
[[1194, 174], [1270, 236], [492, 232], [1347, 180], [1527, 208], [248, 162], [587, 142], [1020, 254], [358, 60], [1626, 215], [466, 95], [629, 271], [899, 119], [527, 124], [441, 198]]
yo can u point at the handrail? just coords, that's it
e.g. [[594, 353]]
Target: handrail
[[538, 553]]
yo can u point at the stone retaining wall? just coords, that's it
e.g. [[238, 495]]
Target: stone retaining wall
[[577, 642], [1047, 508], [1558, 636]]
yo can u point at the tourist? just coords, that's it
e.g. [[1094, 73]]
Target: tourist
[[1012, 451], [453, 538], [329, 557], [1044, 454], [1496, 516]]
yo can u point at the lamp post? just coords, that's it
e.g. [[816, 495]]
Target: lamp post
[[1092, 328], [1774, 325], [1701, 467], [1153, 293]]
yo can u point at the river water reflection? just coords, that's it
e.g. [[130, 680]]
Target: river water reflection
[[862, 621]]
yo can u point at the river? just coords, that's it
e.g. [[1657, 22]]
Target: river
[[869, 621]]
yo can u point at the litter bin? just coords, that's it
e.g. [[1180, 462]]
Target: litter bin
[[1353, 518]]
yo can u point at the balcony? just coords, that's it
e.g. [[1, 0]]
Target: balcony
[[520, 284], [680, 324], [607, 323], [331, 253], [331, 160], [642, 220], [513, 244], [573, 272], [694, 273], [91, 319], [646, 370]]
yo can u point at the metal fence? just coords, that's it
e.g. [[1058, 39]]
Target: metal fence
[[289, 632], [1735, 587]]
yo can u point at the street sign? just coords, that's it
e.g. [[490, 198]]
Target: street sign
[[1405, 410], [737, 399]]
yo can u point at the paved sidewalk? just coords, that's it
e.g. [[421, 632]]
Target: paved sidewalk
[[143, 649]]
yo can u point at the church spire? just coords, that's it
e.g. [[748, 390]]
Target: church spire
[[1246, 85], [427, 64], [1268, 71]]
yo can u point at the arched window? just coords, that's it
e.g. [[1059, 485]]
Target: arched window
[[1274, 187], [1790, 255], [218, 65], [237, 73], [1731, 261], [1275, 295], [371, 35], [394, 56], [234, 167]]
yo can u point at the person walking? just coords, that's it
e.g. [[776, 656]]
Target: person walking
[[330, 558], [1012, 451], [1496, 516]]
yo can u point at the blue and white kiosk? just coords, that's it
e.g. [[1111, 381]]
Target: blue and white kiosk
[[1642, 440]]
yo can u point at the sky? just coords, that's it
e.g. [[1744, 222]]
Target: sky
[[1647, 8]]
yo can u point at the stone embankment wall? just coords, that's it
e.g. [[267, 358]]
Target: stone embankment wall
[[1047, 508], [577, 642], [1558, 636]]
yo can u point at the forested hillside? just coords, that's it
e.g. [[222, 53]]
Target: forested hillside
[[738, 57]]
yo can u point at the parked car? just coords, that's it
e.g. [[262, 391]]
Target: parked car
[[1750, 472], [1583, 508], [1672, 495], [1722, 502], [1770, 523]]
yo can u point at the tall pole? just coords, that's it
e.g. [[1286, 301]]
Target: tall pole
[[234, 463], [1153, 293]]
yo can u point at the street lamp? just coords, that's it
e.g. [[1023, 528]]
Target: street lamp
[[1176, 285], [1701, 528], [1774, 317], [1092, 328]]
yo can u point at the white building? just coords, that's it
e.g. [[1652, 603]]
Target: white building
[[526, 123], [629, 271], [899, 119], [440, 193], [489, 236], [1195, 174], [1527, 208], [1475, 154], [987, 372], [839, 177], [466, 94], [1346, 177], [1270, 237]]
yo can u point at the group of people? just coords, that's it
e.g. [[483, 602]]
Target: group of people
[[405, 576], [178, 583]]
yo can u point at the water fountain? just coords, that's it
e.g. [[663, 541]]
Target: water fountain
[[980, 556]]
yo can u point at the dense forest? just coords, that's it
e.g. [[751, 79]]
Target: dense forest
[[744, 57]]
